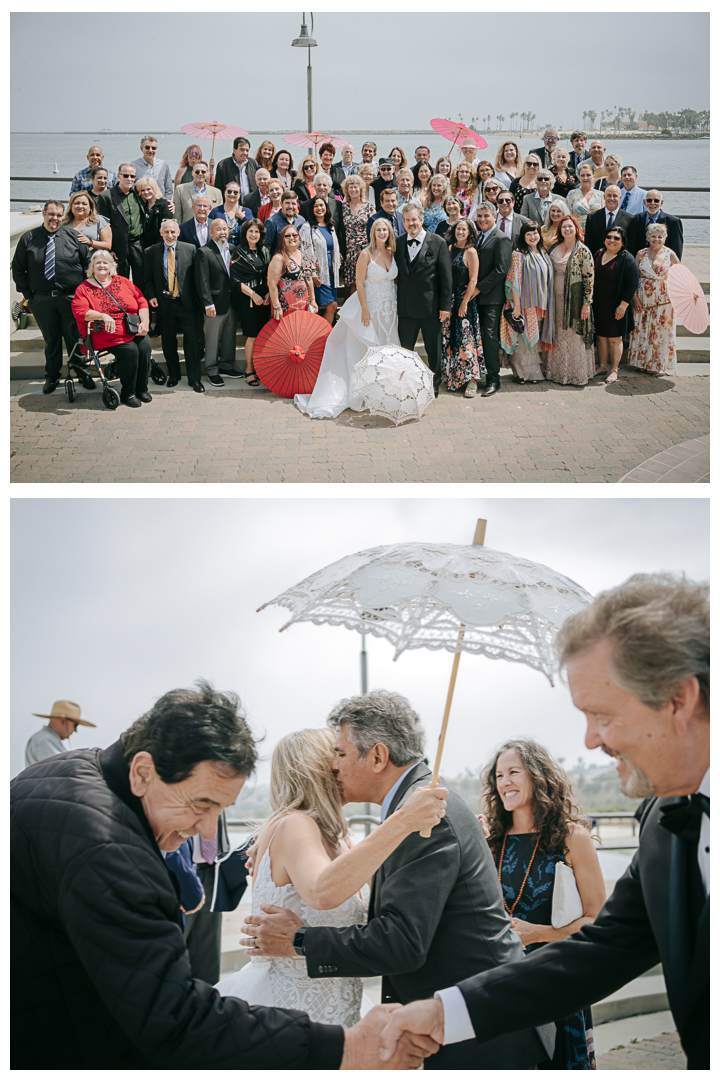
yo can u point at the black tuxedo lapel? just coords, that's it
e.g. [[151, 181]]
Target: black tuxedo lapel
[[420, 770], [117, 200], [413, 265]]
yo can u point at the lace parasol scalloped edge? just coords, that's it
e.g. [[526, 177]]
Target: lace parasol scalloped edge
[[472, 649]]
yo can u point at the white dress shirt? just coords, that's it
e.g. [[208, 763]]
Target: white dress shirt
[[44, 744], [413, 249], [201, 231], [509, 223], [458, 1025]]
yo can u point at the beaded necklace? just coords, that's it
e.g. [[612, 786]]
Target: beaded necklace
[[511, 911]]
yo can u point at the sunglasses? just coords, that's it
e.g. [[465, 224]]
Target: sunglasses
[[504, 202], [128, 175], [532, 164], [550, 138], [653, 200], [194, 153]]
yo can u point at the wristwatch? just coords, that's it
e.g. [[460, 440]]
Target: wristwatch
[[298, 941]]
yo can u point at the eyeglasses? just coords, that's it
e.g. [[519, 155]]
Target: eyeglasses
[[652, 200], [532, 164], [128, 175], [384, 168], [549, 138], [149, 147], [194, 153], [309, 165], [504, 202], [615, 239]]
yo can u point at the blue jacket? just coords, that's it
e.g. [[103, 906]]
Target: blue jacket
[[181, 864], [275, 225]]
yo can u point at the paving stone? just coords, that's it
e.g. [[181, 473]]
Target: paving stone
[[523, 435]]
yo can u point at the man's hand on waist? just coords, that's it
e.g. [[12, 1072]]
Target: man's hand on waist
[[270, 931]]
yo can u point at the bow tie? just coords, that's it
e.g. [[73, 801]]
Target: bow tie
[[684, 818], [414, 241]]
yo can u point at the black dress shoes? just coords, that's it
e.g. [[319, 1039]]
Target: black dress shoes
[[198, 387], [50, 385], [131, 402], [144, 396], [172, 382], [490, 389]]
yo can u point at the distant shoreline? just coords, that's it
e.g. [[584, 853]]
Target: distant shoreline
[[398, 131]]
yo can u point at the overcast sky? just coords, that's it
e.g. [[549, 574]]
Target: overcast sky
[[372, 70], [116, 601]]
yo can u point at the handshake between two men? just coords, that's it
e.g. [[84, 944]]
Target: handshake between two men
[[391, 1037]]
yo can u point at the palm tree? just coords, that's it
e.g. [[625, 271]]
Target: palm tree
[[512, 117], [501, 121], [531, 117], [592, 116]]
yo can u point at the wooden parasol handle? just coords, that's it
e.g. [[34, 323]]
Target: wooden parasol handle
[[478, 541]]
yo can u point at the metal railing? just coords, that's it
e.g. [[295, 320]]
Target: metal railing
[[69, 180]]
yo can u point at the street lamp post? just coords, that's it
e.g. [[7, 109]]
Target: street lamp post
[[307, 42], [364, 690]]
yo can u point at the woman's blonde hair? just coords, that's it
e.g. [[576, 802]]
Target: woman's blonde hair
[[143, 181], [500, 159], [391, 245], [92, 217], [302, 781], [446, 189], [355, 177], [104, 255], [303, 163], [472, 182]]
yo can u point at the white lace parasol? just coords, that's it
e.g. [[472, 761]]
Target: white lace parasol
[[443, 596], [394, 383]]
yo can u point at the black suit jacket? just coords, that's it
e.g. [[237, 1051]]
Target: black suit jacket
[[227, 170], [637, 238], [494, 255], [435, 909], [212, 280], [543, 155], [643, 922], [109, 204], [337, 175], [425, 284], [253, 202], [595, 228], [188, 234], [154, 273]]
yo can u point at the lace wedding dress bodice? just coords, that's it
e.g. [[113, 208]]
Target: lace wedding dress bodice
[[381, 296], [350, 340], [284, 982]]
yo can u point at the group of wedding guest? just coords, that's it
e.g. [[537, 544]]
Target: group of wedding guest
[[576, 199]]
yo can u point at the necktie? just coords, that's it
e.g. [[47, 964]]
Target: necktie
[[626, 200], [172, 274], [611, 218], [209, 850], [50, 258], [684, 818], [504, 225]]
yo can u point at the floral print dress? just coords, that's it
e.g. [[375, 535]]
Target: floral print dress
[[652, 342], [461, 341], [355, 237]]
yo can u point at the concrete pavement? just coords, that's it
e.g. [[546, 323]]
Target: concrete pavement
[[536, 434]]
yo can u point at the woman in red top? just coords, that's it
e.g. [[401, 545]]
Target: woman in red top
[[102, 298]]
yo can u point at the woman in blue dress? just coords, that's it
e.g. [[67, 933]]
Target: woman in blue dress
[[233, 212], [533, 823]]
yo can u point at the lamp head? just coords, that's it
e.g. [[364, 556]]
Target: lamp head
[[304, 41]]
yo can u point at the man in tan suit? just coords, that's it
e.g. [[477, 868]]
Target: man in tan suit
[[184, 193]]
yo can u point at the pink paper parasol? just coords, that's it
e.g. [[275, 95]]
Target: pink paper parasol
[[454, 130], [212, 128], [688, 299], [313, 139]]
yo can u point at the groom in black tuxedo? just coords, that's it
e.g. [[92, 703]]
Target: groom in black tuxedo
[[638, 665], [436, 910], [424, 288]]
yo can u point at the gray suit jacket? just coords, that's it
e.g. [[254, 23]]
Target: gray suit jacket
[[183, 200], [436, 910], [517, 224], [531, 208]]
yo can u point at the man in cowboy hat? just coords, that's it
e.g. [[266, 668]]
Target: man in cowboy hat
[[64, 718]]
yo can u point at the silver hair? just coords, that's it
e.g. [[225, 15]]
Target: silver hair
[[485, 205], [381, 717], [201, 195], [405, 172], [660, 626], [656, 227], [544, 174], [551, 131]]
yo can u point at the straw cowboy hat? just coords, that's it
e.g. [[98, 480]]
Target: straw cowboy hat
[[65, 710]]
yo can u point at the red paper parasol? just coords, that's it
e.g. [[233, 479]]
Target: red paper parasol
[[454, 130], [288, 353], [314, 139], [206, 129], [688, 299]]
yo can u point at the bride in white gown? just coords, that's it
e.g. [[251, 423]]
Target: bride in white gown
[[314, 871], [367, 319]]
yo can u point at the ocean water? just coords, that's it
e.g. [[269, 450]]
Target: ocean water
[[683, 163]]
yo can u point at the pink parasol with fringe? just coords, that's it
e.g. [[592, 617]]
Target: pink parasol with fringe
[[688, 299], [206, 129], [454, 131]]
